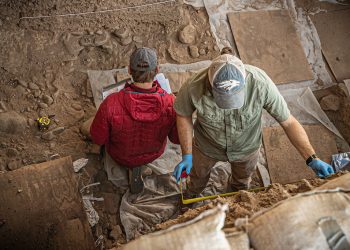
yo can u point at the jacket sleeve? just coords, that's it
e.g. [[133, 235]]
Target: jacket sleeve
[[173, 135], [99, 129]]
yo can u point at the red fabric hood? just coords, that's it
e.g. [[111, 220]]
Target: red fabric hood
[[144, 104]]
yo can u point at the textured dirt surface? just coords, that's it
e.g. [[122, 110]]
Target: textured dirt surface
[[245, 204], [43, 65]]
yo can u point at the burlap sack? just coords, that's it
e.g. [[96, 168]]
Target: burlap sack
[[203, 232], [313, 220]]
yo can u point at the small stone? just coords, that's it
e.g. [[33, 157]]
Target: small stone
[[99, 32], [48, 136], [58, 130], [137, 39], [76, 106], [36, 93], [47, 99], [121, 33], [194, 51], [115, 233], [208, 33], [202, 52], [43, 105], [330, 102], [101, 39], [33, 86], [2, 165], [188, 34], [23, 83], [13, 165], [12, 123], [216, 48], [11, 152], [126, 41], [3, 106]]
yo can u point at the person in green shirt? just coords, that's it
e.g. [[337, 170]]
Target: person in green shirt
[[229, 98]]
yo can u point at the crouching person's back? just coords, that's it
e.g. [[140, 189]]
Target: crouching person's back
[[134, 123]]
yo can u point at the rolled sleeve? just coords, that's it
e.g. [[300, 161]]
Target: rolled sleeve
[[183, 104], [275, 103]]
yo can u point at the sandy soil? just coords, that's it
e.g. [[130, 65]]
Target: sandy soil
[[245, 204]]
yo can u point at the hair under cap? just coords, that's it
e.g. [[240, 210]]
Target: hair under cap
[[143, 59]]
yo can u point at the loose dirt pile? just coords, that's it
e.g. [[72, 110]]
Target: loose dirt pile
[[245, 204]]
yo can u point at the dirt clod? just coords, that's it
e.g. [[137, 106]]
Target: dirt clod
[[330, 102], [188, 34], [12, 123], [194, 51]]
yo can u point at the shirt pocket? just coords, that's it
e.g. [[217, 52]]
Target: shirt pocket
[[250, 117]]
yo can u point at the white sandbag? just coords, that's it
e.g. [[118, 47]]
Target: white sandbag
[[298, 222], [238, 240], [203, 232], [340, 182]]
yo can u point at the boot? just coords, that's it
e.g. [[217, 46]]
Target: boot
[[136, 181]]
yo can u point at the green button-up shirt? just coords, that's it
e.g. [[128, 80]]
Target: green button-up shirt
[[230, 134]]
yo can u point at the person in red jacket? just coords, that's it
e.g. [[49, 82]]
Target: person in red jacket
[[134, 123]]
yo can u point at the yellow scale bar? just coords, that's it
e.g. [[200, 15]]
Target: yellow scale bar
[[193, 200]]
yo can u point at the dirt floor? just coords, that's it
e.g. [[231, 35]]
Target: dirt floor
[[43, 65]]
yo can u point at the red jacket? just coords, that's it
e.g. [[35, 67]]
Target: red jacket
[[134, 124]]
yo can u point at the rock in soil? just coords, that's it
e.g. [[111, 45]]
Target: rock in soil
[[126, 41], [76, 106], [43, 105], [14, 164], [194, 51], [330, 102], [11, 152], [188, 34], [58, 130], [47, 99], [48, 136], [202, 52], [33, 86], [12, 123], [121, 33], [2, 164]]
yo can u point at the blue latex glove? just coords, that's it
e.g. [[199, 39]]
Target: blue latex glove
[[184, 165], [321, 168]]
